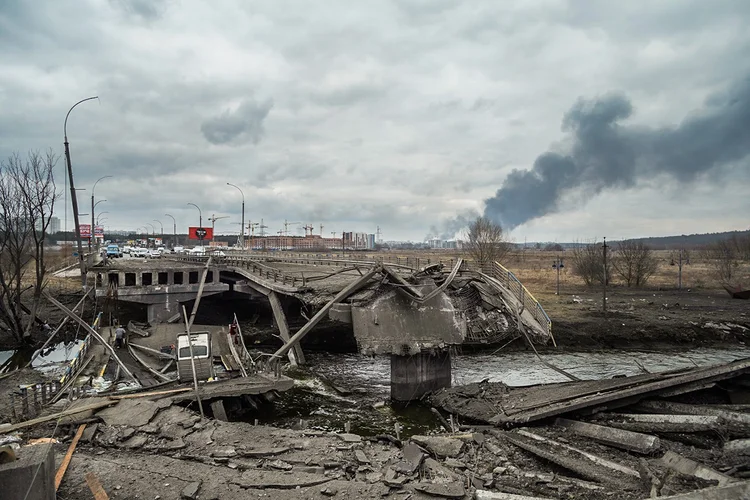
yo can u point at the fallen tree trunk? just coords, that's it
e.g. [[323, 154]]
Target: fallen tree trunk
[[619, 438], [658, 423]]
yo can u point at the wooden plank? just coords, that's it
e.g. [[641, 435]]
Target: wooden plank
[[68, 456], [151, 394], [96, 487]]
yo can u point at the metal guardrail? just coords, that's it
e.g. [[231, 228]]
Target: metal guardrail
[[528, 301], [75, 364], [257, 268]]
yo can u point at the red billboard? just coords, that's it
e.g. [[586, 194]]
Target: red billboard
[[85, 230], [200, 233]]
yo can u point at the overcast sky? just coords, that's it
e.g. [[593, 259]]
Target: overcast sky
[[576, 120]]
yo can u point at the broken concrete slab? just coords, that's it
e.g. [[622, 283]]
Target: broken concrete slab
[[440, 445], [279, 480], [738, 446], [445, 490], [190, 492], [135, 442], [729, 492], [349, 438], [361, 457], [499, 495], [620, 438], [132, 412], [32, 475], [89, 432], [689, 467]]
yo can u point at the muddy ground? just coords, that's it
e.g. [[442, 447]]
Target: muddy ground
[[647, 319]]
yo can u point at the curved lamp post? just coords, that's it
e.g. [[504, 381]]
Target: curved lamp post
[[93, 236], [174, 227], [162, 230], [74, 200], [154, 233], [242, 230], [200, 217], [100, 214]]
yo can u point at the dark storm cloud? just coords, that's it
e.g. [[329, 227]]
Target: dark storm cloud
[[605, 154], [240, 126]]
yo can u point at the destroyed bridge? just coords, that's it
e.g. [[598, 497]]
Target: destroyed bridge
[[414, 310]]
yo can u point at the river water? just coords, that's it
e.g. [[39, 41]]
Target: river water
[[315, 401], [339, 388]]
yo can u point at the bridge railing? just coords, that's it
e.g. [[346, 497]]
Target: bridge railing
[[406, 263], [259, 269], [522, 294]]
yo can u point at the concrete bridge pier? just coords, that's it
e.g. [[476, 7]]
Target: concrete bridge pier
[[414, 376]]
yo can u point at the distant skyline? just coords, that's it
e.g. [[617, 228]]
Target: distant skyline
[[576, 120]]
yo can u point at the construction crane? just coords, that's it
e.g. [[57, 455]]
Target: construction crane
[[309, 227], [213, 219], [286, 226], [333, 233], [321, 230]]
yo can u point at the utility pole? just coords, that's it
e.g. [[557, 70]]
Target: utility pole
[[679, 272], [73, 195], [604, 288], [558, 264]]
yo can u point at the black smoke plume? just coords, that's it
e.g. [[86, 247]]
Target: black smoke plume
[[605, 154]]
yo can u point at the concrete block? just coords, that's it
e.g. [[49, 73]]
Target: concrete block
[[414, 376], [32, 473]]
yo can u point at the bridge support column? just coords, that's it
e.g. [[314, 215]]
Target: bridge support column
[[296, 357], [161, 312], [414, 376]]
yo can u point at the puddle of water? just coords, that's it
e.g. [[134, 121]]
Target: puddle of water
[[53, 358]]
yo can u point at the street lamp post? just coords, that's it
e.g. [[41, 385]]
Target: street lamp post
[[99, 215], [242, 231], [200, 218], [153, 228], [93, 233], [174, 226], [162, 230], [73, 196]]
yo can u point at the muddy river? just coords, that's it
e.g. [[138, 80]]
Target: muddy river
[[340, 388]]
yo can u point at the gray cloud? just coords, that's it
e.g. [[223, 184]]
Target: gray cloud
[[243, 125], [606, 154]]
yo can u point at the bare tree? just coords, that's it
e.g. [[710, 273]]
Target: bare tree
[[27, 195], [587, 262], [723, 259], [634, 262], [486, 241]]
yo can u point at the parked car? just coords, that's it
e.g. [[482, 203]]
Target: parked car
[[140, 252], [127, 249], [154, 253], [178, 249], [197, 251], [113, 251]]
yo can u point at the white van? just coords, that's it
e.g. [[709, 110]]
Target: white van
[[204, 363]]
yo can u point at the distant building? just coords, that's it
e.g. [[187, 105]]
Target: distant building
[[54, 225]]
